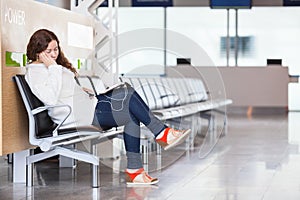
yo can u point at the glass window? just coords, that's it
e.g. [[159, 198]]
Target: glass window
[[264, 33], [275, 32], [146, 54], [131, 18], [204, 26]]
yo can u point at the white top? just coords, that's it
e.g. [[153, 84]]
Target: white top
[[56, 85]]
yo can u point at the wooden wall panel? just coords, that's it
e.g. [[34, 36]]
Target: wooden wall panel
[[14, 117], [0, 82]]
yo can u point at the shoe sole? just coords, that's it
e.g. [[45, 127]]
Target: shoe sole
[[179, 141], [142, 184], [153, 186]]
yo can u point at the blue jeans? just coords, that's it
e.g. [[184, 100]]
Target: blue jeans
[[124, 106]]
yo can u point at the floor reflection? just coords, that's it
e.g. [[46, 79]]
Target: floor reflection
[[258, 159], [139, 192], [294, 128]]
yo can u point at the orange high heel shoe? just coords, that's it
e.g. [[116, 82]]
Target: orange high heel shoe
[[140, 177], [170, 138]]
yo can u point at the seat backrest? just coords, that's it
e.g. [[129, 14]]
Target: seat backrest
[[156, 93], [43, 123]]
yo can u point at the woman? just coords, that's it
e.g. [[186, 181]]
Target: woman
[[51, 78]]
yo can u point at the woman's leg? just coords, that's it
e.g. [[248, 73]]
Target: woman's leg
[[132, 144], [166, 137], [126, 107], [123, 104], [140, 110], [111, 113]]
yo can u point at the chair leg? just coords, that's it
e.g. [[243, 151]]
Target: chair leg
[[95, 178], [29, 175], [96, 175], [158, 157], [145, 152], [29, 169], [225, 129]]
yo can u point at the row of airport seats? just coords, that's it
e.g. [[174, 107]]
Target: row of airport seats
[[168, 98], [175, 97], [183, 102]]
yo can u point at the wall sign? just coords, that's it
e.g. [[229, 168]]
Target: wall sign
[[14, 16], [291, 2], [230, 3]]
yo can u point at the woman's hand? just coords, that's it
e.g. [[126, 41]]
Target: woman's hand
[[47, 60], [89, 92]]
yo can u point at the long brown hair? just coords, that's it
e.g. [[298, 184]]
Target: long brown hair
[[39, 41]]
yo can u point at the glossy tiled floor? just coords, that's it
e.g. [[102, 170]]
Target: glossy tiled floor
[[258, 159]]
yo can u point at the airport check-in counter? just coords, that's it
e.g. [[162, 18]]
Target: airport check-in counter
[[253, 86]]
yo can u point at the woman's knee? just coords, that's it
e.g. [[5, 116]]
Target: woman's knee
[[131, 90]]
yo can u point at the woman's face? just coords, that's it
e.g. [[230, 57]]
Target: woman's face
[[52, 50]]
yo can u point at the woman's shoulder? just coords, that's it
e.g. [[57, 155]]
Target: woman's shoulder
[[36, 65], [41, 67]]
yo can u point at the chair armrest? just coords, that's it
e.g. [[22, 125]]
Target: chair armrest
[[43, 108]]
